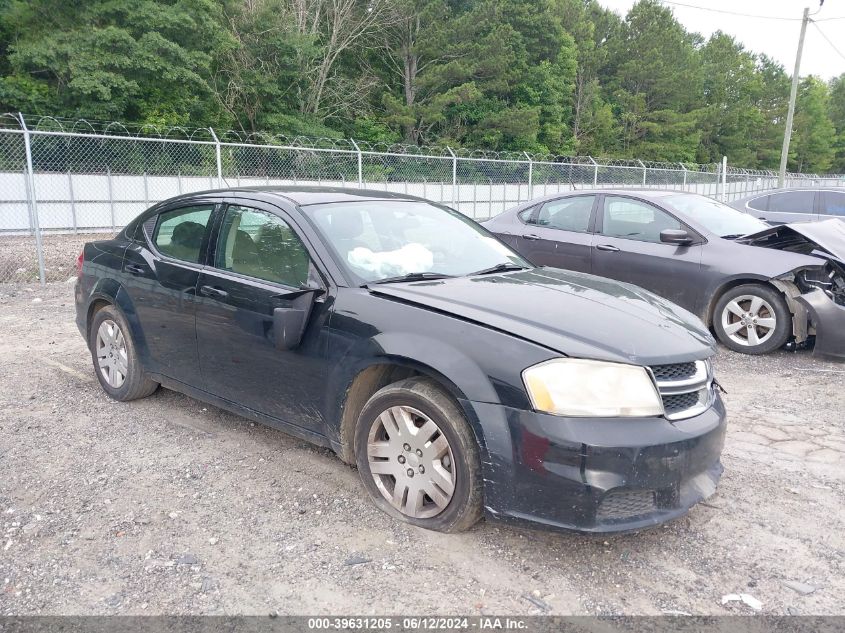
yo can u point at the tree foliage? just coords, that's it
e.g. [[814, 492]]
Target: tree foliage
[[559, 76]]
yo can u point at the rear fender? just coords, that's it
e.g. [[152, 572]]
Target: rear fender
[[111, 291]]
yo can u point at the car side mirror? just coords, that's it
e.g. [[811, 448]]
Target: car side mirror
[[675, 236], [290, 320]]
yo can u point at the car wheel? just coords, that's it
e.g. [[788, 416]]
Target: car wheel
[[115, 360], [752, 319], [418, 457]]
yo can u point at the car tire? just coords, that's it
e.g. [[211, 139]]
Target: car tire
[[115, 358], [752, 319], [408, 427]]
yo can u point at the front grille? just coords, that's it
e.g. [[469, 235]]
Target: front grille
[[684, 388], [676, 403], [626, 504], [678, 371]]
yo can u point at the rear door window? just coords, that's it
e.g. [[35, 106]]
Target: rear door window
[[525, 216], [179, 233], [567, 214], [833, 203], [792, 202]]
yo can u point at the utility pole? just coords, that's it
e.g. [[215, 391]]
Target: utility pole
[[793, 93]]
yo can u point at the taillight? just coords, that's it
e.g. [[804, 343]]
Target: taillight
[[79, 261]]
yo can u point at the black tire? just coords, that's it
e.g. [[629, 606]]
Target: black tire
[[779, 310], [464, 508], [135, 383]]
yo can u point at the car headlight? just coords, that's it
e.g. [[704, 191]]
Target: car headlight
[[589, 388]]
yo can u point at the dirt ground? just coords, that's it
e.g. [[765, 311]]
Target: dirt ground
[[167, 505]]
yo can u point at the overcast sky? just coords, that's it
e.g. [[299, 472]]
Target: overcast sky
[[776, 38]]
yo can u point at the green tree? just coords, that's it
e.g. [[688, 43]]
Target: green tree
[[813, 136], [656, 83], [144, 61], [732, 90], [837, 116]]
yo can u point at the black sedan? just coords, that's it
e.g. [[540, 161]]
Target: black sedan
[[758, 287], [455, 375]]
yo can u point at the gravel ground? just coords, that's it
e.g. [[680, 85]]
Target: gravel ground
[[19, 257], [167, 505]]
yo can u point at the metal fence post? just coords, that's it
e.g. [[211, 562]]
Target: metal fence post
[[718, 180], [360, 164], [595, 172], [724, 178], [111, 197], [33, 205], [530, 176], [645, 170], [72, 201], [454, 174], [219, 158], [684, 169]]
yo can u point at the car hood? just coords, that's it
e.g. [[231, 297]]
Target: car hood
[[827, 236], [572, 313]]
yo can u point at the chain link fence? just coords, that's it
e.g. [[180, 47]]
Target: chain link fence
[[63, 183]]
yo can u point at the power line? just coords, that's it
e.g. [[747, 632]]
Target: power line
[[827, 39], [745, 15]]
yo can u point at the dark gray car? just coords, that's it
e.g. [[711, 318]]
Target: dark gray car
[[781, 206], [756, 286]]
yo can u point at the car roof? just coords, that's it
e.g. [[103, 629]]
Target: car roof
[[768, 192], [303, 196], [642, 192]]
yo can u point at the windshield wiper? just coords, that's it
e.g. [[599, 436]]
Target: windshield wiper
[[499, 268], [420, 276], [732, 236]]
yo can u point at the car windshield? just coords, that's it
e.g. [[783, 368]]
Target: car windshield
[[382, 240], [716, 217]]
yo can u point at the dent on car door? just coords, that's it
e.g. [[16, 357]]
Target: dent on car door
[[261, 271], [560, 233], [160, 273], [627, 247]]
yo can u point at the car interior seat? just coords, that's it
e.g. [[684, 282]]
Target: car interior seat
[[186, 241], [245, 258]]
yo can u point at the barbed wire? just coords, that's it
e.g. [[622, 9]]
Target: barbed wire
[[95, 129]]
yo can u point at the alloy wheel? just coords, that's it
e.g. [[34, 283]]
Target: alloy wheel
[[411, 462], [112, 358], [749, 320]]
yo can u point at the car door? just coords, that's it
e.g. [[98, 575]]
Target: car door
[[161, 269], [514, 229], [627, 247], [832, 205], [787, 206], [560, 233], [260, 263]]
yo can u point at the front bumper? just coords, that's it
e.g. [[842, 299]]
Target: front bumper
[[597, 475], [828, 319]]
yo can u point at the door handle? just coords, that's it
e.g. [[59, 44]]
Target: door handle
[[215, 293], [607, 247], [132, 269], [531, 237]]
